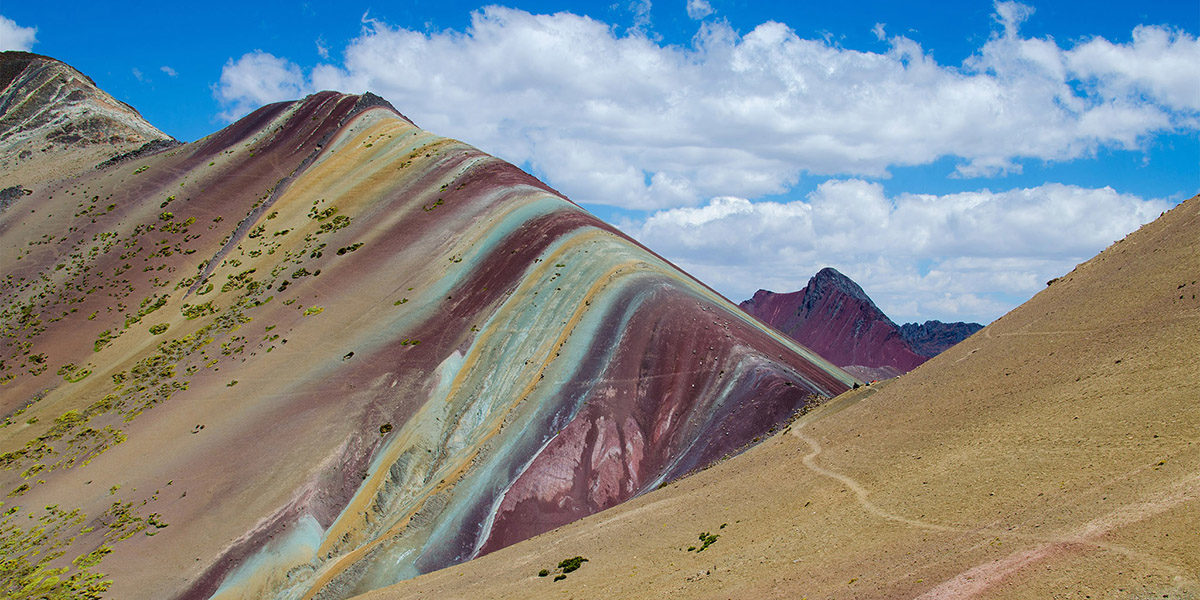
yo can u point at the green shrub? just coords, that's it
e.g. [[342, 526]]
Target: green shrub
[[571, 564]]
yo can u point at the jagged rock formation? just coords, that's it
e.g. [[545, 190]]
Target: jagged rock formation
[[931, 338], [54, 120], [835, 318], [323, 350]]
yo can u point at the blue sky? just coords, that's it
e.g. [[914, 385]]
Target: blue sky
[[950, 157]]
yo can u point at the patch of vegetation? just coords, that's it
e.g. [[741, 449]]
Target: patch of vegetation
[[148, 305], [571, 564], [313, 213], [238, 281], [313, 310], [196, 311], [72, 373], [105, 338], [338, 222], [706, 539], [566, 565], [159, 329], [349, 249]]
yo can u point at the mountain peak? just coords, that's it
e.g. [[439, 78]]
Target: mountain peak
[[49, 107], [834, 317], [830, 277]]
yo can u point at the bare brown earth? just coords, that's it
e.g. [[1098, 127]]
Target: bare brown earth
[[1054, 454]]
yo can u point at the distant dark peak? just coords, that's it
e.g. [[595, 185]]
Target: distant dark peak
[[830, 279], [934, 337]]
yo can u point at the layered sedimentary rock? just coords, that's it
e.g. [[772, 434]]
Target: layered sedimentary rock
[[323, 350]]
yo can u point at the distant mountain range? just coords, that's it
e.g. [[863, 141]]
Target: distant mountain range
[[834, 317]]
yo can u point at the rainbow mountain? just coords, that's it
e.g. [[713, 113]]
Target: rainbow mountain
[[323, 350]]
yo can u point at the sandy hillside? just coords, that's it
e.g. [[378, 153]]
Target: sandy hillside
[[1054, 454]]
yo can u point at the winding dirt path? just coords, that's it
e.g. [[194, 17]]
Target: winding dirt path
[[982, 577]]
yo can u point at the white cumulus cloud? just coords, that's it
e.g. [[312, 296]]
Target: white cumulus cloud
[[955, 256], [621, 119], [15, 37], [256, 79], [698, 9]]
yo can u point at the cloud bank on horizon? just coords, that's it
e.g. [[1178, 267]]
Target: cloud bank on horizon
[[700, 134]]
